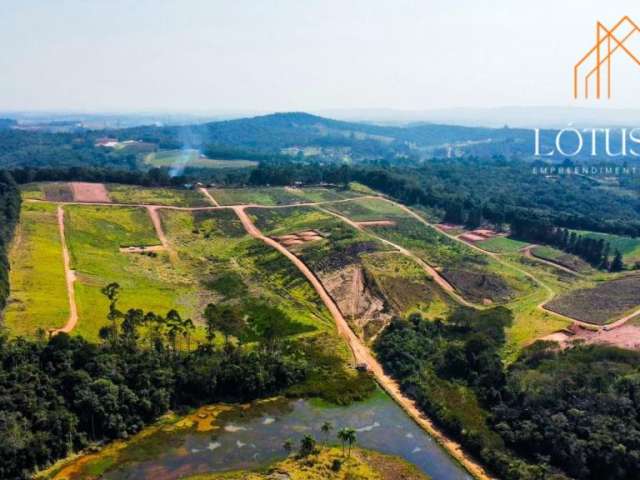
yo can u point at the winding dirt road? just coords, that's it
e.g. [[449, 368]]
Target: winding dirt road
[[362, 354], [207, 194], [157, 225], [70, 278]]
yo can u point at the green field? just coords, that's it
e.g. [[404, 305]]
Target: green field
[[231, 268], [502, 245], [38, 290], [136, 195], [368, 209], [94, 236], [192, 158], [567, 260], [628, 246], [278, 195]]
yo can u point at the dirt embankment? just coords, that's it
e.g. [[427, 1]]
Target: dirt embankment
[[358, 299]]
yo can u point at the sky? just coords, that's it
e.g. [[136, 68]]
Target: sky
[[267, 55]]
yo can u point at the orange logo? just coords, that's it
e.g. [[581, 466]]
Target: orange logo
[[607, 43]]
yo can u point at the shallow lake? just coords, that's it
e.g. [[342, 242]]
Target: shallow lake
[[251, 437]]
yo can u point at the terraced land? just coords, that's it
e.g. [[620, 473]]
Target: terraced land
[[602, 304], [230, 268], [278, 195], [137, 195], [95, 236], [38, 291]]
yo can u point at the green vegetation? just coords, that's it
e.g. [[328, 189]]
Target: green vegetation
[[278, 195], [368, 209], [502, 245], [32, 191], [551, 414], [9, 215], [628, 246], [330, 464], [564, 259], [156, 196], [95, 236], [38, 290], [192, 159]]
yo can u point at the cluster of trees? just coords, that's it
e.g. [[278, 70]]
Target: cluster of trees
[[308, 444], [9, 214], [61, 394], [595, 251], [551, 415]]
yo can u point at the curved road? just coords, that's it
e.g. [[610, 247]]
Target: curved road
[[363, 355]]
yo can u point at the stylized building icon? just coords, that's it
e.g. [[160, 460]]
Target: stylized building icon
[[608, 42]]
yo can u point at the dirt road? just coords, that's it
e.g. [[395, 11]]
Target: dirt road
[[432, 272], [157, 224], [529, 254], [362, 354], [207, 194], [70, 278]]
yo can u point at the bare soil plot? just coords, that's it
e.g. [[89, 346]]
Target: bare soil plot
[[479, 286], [57, 192], [626, 336], [90, 192], [602, 304], [377, 223], [298, 238]]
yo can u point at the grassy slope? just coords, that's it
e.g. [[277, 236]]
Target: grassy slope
[[628, 246], [38, 289], [277, 195], [192, 158], [94, 236], [502, 245], [156, 196]]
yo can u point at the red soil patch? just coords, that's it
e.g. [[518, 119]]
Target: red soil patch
[[90, 192], [626, 336], [470, 237], [298, 238]]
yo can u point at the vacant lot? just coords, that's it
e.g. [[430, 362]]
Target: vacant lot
[[602, 304], [57, 192], [502, 245], [38, 291], [89, 192], [192, 158], [95, 236], [229, 267], [278, 195], [567, 260], [137, 195], [368, 210]]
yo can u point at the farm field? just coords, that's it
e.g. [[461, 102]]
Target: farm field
[[368, 210], [501, 245], [95, 236], [628, 246], [38, 291], [602, 304], [156, 196], [278, 195], [192, 158]]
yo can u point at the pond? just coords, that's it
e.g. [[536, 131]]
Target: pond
[[252, 436]]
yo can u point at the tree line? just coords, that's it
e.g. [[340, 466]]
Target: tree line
[[9, 215], [59, 395], [551, 415], [597, 252]]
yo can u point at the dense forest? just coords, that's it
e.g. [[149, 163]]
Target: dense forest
[[9, 214], [61, 394], [575, 411]]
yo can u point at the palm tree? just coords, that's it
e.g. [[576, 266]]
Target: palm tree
[[347, 436], [307, 445], [325, 429]]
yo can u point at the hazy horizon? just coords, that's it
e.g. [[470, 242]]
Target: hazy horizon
[[198, 55]]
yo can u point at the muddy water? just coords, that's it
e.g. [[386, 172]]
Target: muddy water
[[253, 437]]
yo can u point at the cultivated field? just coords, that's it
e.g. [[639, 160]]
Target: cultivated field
[[38, 291], [277, 195], [602, 304]]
